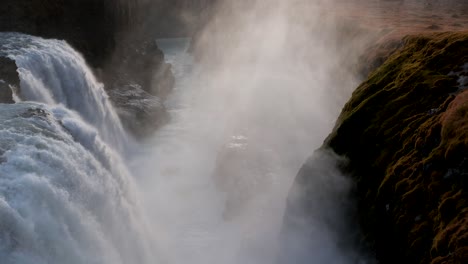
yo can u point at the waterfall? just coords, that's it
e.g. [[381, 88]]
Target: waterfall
[[65, 194], [209, 187], [53, 73]]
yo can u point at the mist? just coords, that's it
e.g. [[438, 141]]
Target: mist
[[175, 131], [259, 93]]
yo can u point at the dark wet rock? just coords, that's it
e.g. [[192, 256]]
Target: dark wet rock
[[140, 112], [35, 112], [8, 80], [176, 18], [405, 133], [142, 63], [138, 81], [91, 26]]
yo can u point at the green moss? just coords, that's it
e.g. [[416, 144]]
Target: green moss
[[405, 132]]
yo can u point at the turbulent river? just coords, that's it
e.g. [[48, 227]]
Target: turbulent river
[[209, 187]]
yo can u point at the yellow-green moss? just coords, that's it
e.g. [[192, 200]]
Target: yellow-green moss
[[405, 132]]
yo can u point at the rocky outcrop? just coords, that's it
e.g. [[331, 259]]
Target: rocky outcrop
[[405, 134], [140, 112], [109, 35], [138, 81], [142, 63], [9, 80]]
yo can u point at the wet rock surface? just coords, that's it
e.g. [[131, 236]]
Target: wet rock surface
[[91, 26], [140, 112], [138, 81], [176, 18], [141, 63], [405, 134], [8, 79]]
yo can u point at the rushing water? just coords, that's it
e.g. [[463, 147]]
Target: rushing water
[[210, 187], [65, 195], [53, 73]]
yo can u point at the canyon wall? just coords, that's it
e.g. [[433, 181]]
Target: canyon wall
[[404, 135]]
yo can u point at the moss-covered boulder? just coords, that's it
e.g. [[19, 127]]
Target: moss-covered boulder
[[405, 134]]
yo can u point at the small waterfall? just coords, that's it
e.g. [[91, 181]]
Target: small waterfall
[[51, 72]]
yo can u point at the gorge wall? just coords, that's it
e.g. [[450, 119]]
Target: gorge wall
[[404, 134]]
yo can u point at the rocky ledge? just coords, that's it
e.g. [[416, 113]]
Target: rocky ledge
[[404, 133]]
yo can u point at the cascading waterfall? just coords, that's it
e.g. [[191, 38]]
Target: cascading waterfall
[[52, 72], [210, 187], [65, 195]]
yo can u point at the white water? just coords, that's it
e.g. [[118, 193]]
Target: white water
[[53, 73], [210, 187], [65, 195]]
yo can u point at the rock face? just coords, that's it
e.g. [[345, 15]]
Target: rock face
[[91, 26], [405, 133], [138, 81], [176, 18], [8, 80], [140, 62], [140, 112]]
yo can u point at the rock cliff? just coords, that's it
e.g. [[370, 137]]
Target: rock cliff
[[404, 133]]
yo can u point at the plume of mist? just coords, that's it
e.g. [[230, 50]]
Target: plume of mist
[[317, 225], [269, 81]]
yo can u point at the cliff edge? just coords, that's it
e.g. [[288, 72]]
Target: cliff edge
[[404, 133]]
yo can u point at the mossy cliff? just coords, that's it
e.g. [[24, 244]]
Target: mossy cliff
[[405, 135]]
